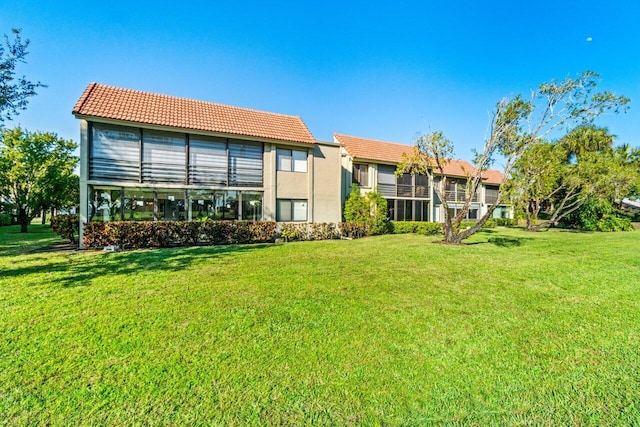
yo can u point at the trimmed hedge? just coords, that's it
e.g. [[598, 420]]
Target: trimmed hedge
[[163, 234], [323, 231], [66, 226], [417, 227]]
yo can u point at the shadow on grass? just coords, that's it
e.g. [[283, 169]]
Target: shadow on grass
[[85, 269], [506, 242], [14, 243]]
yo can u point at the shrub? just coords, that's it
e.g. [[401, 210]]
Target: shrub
[[316, 231], [353, 230], [146, 234], [614, 223], [505, 222], [417, 227], [598, 215], [66, 226], [6, 219], [369, 210]]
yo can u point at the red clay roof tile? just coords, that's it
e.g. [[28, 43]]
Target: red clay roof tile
[[149, 108], [391, 152]]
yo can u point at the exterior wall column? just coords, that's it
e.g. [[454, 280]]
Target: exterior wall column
[[84, 175]]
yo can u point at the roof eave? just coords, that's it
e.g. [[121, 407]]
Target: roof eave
[[121, 122]]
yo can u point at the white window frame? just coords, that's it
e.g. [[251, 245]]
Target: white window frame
[[291, 160]]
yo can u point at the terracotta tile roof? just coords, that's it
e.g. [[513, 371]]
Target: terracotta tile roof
[[149, 108], [391, 152]]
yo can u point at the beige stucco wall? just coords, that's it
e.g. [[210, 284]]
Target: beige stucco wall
[[326, 183], [293, 185]]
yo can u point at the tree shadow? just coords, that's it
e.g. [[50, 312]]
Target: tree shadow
[[506, 242], [85, 269]]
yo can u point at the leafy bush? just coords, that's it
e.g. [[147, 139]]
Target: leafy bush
[[505, 222], [417, 227], [369, 210], [614, 223], [146, 234], [6, 219], [66, 226], [598, 215], [316, 231], [353, 230]]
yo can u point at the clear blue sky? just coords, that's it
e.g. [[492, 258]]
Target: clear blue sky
[[374, 69]]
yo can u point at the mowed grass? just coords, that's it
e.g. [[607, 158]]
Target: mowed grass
[[514, 328]]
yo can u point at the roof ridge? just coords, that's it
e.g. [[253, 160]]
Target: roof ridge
[[182, 98], [336, 134]]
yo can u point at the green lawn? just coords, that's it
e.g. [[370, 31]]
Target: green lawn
[[515, 328]]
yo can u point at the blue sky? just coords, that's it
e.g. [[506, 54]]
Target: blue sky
[[374, 69]]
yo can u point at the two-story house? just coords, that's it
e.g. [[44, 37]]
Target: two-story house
[[145, 156], [372, 165]]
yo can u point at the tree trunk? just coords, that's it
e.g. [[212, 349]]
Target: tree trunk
[[44, 216], [23, 219], [533, 210]]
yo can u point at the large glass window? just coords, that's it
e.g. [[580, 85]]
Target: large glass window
[[105, 203], [207, 160], [291, 160], [472, 213], [225, 204], [139, 204], [491, 194], [405, 185], [245, 164], [387, 180], [163, 156], [291, 210], [115, 153], [361, 174], [251, 205], [201, 203], [407, 210], [422, 187], [171, 205]]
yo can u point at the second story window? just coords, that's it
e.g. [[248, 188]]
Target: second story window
[[291, 160], [361, 174]]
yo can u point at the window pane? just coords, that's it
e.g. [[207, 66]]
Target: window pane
[[452, 213], [207, 160], [225, 205], [201, 203], [422, 186], [473, 214], [299, 210], [138, 204], [283, 210], [104, 204], [251, 206], [163, 157], [387, 180], [391, 209], [361, 175], [115, 153], [171, 205], [245, 164], [299, 161], [405, 185], [284, 159]]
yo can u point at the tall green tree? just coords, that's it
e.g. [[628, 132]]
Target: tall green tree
[[517, 125], [557, 179], [14, 91], [36, 171]]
